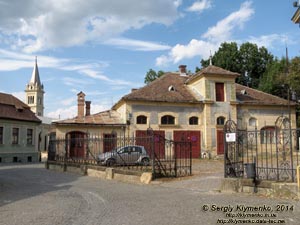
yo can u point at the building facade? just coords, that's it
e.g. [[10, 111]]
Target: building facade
[[195, 108], [19, 131], [100, 129], [183, 107]]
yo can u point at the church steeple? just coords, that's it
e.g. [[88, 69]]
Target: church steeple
[[35, 92], [35, 77]]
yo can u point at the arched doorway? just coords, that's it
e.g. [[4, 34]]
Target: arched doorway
[[76, 142]]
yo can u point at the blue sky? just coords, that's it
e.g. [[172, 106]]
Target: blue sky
[[104, 48]]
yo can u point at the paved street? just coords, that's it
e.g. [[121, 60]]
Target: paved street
[[30, 194]]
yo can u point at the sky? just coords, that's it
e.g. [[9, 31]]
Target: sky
[[105, 48]]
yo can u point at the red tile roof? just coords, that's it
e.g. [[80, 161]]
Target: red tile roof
[[168, 88], [212, 70], [105, 118], [13, 108], [249, 96], [158, 90]]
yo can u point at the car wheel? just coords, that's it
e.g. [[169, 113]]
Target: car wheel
[[145, 162], [110, 162]]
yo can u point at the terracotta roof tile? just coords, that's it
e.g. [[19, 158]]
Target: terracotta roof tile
[[168, 88], [109, 117], [13, 108], [246, 95], [213, 70]]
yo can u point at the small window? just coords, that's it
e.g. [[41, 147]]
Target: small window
[[171, 88], [15, 159], [29, 159], [193, 120], [15, 136], [1, 135], [30, 100], [252, 122], [141, 120], [29, 136], [221, 120], [168, 120], [220, 92], [267, 135]]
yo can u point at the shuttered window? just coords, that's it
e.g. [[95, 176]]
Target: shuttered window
[[220, 92]]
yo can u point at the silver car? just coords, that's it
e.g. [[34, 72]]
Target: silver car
[[127, 155]]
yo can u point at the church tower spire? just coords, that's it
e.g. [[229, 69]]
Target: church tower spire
[[35, 92]]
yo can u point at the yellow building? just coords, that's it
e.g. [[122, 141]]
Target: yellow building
[[183, 107], [195, 108]]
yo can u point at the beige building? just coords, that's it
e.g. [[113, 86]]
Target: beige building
[[183, 107], [195, 107], [101, 127]]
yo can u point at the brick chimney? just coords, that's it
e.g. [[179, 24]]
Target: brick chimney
[[80, 105], [87, 108], [182, 70]]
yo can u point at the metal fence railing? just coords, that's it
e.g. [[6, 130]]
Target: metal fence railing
[[274, 150], [148, 153]]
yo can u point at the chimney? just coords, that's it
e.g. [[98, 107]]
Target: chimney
[[87, 108], [80, 104], [182, 70]]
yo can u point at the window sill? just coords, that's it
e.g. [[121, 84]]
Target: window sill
[[169, 125]]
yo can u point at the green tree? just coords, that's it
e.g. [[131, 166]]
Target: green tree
[[294, 76], [274, 79], [151, 75], [248, 60], [227, 57]]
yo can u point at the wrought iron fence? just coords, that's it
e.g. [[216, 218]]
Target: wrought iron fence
[[148, 153], [274, 150]]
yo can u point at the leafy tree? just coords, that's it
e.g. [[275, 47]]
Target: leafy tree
[[294, 77], [274, 79], [248, 60], [151, 75], [227, 57]]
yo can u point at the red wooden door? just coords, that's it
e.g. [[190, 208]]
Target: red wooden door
[[77, 144], [159, 142], [194, 137], [220, 142], [189, 136]]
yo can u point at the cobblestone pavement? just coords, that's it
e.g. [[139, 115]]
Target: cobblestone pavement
[[207, 177], [32, 195]]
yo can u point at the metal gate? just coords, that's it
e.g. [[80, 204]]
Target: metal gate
[[233, 157], [274, 149]]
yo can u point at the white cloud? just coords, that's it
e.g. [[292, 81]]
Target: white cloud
[[200, 6], [63, 113], [269, 41], [10, 61], [180, 52], [137, 45], [222, 31], [39, 25], [212, 39]]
